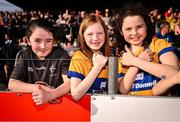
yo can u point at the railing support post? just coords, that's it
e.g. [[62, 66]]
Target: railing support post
[[112, 75]]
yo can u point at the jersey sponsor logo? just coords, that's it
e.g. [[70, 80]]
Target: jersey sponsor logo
[[144, 85]]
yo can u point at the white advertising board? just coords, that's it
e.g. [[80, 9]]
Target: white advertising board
[[115, 108]]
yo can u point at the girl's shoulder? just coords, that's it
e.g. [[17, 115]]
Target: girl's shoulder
[[80, 56], [157, 41], [25, 52], [58, 52], [160, 43]]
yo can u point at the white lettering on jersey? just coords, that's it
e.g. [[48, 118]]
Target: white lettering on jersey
[[139, 76], [103, 85], [30, 69], [52, 70], [144, 85]]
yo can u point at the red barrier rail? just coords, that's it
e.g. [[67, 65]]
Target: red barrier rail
[[20, 107]]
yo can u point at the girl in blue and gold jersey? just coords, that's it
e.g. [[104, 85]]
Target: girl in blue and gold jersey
[[145, 59], [88, 69]]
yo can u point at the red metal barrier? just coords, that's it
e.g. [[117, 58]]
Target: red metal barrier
[[20, 107]]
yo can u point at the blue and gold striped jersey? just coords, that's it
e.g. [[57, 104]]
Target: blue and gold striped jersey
[[80, 67], [144, 81]]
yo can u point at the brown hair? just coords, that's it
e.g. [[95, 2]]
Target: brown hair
[[137, 9]]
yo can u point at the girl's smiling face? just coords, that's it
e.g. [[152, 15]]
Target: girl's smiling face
[[41, 42], [134, 30], [94, 36]]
